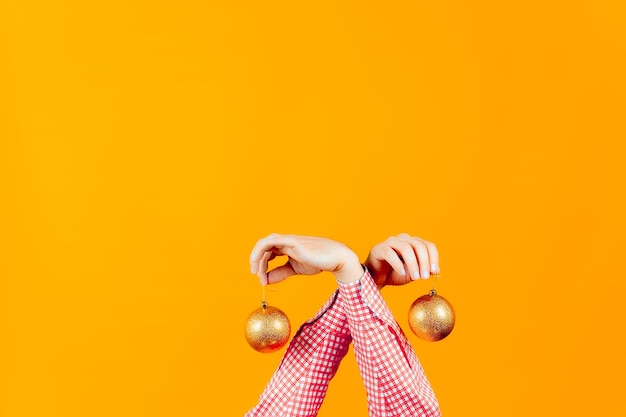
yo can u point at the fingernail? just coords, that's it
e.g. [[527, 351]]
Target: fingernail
[[434, 268], [402, 272], [425, 274], [416, 274]]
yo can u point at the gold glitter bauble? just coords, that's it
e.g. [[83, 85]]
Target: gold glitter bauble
[[431, 317], [267, 329]]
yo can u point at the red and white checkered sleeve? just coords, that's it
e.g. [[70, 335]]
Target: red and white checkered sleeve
[[298, 387], [393, 376]]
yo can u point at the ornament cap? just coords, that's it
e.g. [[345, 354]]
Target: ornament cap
[[433, 292]]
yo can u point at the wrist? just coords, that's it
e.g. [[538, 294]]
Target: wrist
[[350, 270]]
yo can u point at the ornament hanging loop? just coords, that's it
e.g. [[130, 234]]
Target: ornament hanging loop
[[263, 300], [435, 278]]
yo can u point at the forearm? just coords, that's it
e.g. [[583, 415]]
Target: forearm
[[299, 385], [393, 377]]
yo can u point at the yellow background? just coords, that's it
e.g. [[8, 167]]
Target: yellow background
[[146, 145]]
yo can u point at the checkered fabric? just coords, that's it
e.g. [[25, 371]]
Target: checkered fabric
[[393, 377]]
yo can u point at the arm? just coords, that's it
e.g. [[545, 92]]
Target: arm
[[299, 385], [393, 376]]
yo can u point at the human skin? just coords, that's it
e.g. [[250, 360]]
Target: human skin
[[396, 261]]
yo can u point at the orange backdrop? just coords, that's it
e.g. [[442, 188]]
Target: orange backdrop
[[146, 145]]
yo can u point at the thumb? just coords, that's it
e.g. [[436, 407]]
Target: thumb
[[280, 273]]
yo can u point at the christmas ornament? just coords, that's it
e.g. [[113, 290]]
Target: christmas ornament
[[431, 317], [267, 328]]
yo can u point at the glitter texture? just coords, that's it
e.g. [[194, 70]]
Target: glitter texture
[[431, 317], [267, 329]]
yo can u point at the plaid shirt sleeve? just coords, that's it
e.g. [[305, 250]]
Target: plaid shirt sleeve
[[299, 385], [393, 376]]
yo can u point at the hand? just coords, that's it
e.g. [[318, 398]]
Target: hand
[[306, 256], [402, 259]]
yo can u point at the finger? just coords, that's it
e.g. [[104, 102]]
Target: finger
[[263, 265], [390, 255], [409, 257], [261, 246], [433, 255], [423, 258], [264, 245]]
